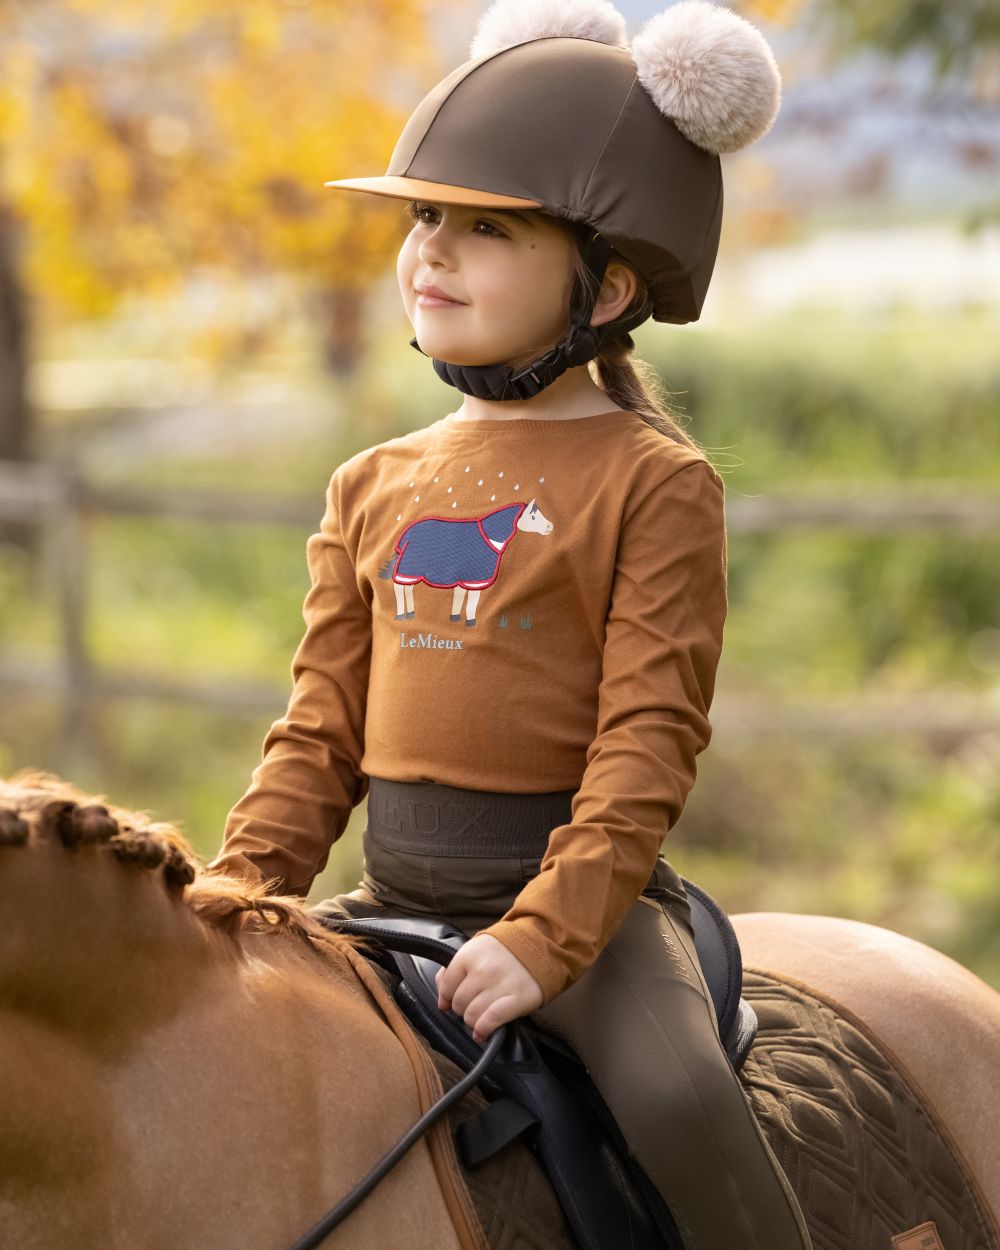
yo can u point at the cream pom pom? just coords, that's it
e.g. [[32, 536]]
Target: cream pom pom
[[710, 71], [510, 22]]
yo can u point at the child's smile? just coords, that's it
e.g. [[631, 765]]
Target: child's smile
[[508, 273]]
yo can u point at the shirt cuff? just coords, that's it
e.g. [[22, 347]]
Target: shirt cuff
[[523, 946]]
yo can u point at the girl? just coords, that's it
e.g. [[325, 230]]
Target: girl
[[516, 614]]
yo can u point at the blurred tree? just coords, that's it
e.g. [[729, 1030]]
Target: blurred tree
[[141, 144], [956, 101], [15, 412], [963, 36], [962, 39]]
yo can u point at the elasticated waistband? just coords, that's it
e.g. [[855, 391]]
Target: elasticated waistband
[[427, 818]]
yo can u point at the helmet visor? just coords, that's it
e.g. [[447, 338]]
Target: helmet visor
[[403, 188]]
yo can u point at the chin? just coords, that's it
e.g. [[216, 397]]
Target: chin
[[453, 352]]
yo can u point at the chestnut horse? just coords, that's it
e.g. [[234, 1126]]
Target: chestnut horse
[[189, 1063]]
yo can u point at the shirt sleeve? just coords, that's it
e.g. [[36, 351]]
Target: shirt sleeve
[[302, 793], [662, 647]]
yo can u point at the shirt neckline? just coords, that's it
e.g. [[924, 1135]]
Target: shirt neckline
[[453, 424]]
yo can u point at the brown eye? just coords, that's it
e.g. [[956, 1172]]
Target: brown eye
[[416, 211]]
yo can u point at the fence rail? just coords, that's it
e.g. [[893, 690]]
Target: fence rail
[[58, 498]]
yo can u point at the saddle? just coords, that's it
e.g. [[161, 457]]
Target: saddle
[[538, 1087]]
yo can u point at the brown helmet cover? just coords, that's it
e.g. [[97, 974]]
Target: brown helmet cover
[[564, 125], [557, 111]]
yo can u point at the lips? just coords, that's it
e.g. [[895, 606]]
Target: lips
[[436, 293]]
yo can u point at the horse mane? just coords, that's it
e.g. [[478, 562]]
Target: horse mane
[[38, 805]]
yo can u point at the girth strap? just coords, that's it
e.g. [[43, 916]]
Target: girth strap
[[497, 1125]]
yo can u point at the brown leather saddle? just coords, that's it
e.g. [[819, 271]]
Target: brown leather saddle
[[537, 1087]]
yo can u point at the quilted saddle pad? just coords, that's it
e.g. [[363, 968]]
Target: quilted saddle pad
[[861, 1145]]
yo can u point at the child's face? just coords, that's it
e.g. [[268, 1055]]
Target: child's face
[[513, 274]]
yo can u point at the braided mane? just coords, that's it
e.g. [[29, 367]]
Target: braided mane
[[38, 806]]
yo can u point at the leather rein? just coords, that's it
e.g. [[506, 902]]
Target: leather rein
[[442, 953]]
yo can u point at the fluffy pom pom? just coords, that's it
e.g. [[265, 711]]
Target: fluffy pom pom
[[711, 72], [510, 22]]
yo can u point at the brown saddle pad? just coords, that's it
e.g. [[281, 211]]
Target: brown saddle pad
[[863, 1149]]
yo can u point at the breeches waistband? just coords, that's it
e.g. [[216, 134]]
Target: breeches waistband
[[438, 850], [427, 818]]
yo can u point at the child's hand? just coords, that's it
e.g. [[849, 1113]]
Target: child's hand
[[487, 986]]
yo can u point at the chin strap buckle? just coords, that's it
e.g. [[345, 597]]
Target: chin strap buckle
[[525, 384], [533, 378]]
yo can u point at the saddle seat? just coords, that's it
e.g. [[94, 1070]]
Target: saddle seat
[[538, 1086]]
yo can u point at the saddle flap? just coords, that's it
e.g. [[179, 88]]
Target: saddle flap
[[718, 951], [600, 1200]]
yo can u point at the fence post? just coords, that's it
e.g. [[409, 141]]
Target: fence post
[[69, 535]]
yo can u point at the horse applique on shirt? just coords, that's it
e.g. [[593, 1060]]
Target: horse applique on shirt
[[463, 555]]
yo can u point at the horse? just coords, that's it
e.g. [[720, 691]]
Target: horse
[[188, 1061]]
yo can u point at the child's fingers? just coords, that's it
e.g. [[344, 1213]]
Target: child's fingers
[[450, 980], [477, 1010], [443, 989], [499, 1012]]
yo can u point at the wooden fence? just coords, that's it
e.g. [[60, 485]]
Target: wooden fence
[[60, 499]]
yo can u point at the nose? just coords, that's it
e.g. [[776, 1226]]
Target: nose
[[435, 246]]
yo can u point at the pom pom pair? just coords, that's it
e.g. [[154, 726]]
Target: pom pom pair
[[706, 68]]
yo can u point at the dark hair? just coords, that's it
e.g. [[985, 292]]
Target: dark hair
[[628, 380]]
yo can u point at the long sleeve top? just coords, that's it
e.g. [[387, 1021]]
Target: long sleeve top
[[591, 555]]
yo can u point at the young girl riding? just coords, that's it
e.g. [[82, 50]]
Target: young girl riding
[[516, 613]]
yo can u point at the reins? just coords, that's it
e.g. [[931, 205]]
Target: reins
[[443, 954]]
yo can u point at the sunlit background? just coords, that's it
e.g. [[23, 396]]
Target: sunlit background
[[194, 332]]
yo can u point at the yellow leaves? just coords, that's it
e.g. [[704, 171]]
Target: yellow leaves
[[262, 27], [778, 12], [154, 138], [20, 67], [18, 70]]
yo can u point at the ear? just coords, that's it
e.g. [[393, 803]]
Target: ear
[[618, 290]]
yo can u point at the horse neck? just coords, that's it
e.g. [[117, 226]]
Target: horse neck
[[142, 1050], [93, 947]]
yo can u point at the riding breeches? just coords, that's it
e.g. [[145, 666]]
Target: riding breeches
[[642, 1020]]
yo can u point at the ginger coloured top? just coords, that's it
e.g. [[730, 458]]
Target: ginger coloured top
[[510, 605]]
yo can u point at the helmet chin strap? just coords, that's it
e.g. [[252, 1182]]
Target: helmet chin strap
[[584, 341]]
